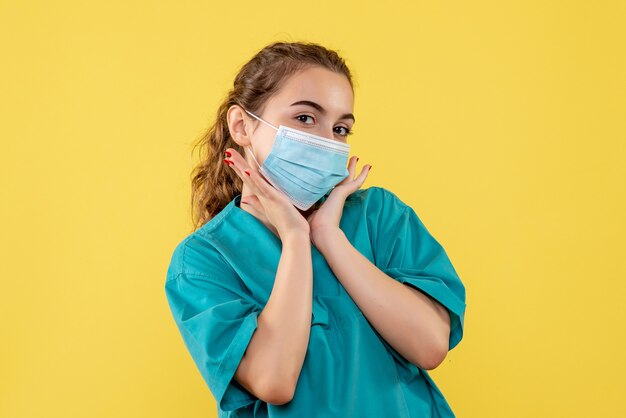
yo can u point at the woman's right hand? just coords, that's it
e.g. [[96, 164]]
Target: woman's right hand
[[268, 202]]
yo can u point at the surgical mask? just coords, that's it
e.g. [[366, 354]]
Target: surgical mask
[[303, 166]]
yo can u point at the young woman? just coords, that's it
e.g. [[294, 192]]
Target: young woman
[[299, 294]]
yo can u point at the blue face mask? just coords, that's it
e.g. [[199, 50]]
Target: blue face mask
[[304, 166]]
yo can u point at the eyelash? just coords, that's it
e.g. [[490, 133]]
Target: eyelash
[[349, 131]]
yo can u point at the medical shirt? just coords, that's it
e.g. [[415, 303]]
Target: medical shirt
[[221, 276]]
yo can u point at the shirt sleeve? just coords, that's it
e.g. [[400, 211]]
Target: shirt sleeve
[[406, 251], [216, 320]]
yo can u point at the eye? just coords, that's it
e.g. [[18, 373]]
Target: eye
[[303, 116], [346, 132]]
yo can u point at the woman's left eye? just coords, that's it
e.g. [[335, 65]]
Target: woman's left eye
[[346, 132]]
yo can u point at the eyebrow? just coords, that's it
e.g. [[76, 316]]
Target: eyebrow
[[321, 109]]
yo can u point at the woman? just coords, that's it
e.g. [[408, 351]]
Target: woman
[[300, 294]]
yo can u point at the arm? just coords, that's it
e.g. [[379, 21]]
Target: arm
[[273, 360], [227, 331], [414, 324]]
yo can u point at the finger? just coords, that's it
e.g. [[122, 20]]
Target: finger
[[262, 184], [356, 184], [260, 181], [363, 175], [351, 169], [259, 173], [352, 165], [230, 164], [240, 165], [257, 183]]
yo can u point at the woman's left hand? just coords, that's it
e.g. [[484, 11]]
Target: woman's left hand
[[327, 217]]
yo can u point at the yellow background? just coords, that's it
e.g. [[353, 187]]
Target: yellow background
[[501, 123]]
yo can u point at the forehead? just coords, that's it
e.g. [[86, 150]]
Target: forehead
[[329, 89]]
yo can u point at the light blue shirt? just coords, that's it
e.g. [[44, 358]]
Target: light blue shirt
[[221, 276]]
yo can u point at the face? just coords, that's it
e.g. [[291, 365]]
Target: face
[[314, 100]]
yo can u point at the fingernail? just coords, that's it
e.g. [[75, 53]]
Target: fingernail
[[228, 161], [227, 153], [357, 158], [247, 172]]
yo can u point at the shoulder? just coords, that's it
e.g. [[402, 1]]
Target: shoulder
[[195, 255], [376, 200]]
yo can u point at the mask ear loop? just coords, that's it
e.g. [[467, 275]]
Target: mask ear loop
[[252, 154], [248, 146], [268, 124]]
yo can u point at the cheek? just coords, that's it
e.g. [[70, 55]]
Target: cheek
[[264, 148], [257, 152]]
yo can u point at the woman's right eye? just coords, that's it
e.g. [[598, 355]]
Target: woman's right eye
[[303, 116]]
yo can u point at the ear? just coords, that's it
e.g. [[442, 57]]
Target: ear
[[239, 125]]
